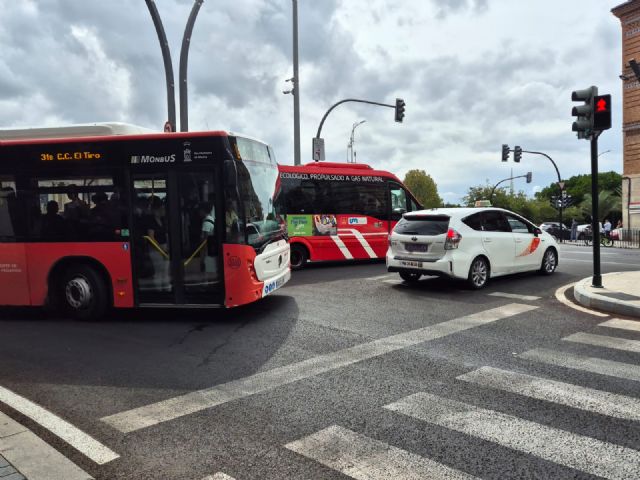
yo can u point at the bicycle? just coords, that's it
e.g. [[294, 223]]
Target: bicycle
[[605, 240]]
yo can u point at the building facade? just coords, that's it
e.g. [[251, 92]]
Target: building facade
[[629, 15]]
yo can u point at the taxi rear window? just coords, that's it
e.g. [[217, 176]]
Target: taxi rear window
[[423, 225]]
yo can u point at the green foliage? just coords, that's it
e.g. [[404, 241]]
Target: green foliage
[[423, 187], [579, 186], [609, 205]]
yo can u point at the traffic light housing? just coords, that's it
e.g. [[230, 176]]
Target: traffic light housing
[[505, 152], [399, 110], [602, 112], [584, 113], [517, 154], [529, 177]]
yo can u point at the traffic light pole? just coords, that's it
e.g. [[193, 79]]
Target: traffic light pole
[[345, 101], [595, 225], [502, 181], [560, 185]]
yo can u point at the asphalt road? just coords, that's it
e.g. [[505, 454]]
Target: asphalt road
[[347, 372]]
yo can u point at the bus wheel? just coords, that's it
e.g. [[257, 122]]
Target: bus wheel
[[83, 293], [299, 256]]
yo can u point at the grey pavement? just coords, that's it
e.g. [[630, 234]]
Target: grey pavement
[[619, 295]]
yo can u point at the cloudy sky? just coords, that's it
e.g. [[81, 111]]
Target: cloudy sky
[[474, 74]]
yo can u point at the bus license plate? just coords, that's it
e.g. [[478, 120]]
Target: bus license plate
[[273, 286], [406, 263]]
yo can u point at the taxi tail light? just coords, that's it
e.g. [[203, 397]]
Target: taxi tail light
[[453, 239]]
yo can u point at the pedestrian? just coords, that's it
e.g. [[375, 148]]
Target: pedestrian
[[607, 227], [574, 229]]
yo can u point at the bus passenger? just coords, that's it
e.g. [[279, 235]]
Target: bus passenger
[[209, 252], [159, 249], [53, 225]]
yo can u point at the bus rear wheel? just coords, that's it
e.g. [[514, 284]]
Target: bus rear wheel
[[83, 293], [299, 256]]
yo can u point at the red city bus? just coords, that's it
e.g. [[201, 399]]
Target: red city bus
[[340, 211], [110, 215]]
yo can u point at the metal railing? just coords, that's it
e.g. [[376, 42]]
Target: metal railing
[[620, 238]]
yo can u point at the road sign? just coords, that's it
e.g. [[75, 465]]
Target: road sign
[[561, 185], [318, 149]]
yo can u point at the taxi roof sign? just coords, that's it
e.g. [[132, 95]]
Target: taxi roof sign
[[482, 203]]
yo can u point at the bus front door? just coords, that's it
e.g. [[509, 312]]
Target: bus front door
[[176, 239]]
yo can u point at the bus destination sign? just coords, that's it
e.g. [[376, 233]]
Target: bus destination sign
[[70, 155]]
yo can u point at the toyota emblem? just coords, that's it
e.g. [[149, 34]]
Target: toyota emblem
[[415, 239]]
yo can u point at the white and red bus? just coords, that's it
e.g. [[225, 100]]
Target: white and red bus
[[110, 215], [340, 211]]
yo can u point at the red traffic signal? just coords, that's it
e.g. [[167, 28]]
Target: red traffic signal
[[601, 112]]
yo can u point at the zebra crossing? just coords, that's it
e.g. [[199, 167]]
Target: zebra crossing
[[365, 458]]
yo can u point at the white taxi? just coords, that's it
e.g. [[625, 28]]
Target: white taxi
[[472, 244]]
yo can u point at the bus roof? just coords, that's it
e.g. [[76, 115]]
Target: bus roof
[[338, 168], [74, 131]]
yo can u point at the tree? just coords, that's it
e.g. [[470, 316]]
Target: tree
[[608, 203], [580, 185], [423, 187]]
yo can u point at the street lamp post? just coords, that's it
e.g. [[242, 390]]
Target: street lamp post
[[296, 88], [352, 138]]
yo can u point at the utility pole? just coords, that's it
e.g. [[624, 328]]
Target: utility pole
[[296, 88]]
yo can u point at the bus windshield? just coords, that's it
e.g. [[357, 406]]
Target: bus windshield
[[259, 185]]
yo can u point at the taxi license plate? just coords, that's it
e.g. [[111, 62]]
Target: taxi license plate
[[273, 286], [407, 263]]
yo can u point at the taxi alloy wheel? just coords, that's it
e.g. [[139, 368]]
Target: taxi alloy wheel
[[549, 262], [478, 273]]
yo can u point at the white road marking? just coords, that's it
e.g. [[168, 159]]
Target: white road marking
[[626, 371], [218, 476], [380, 277], [564, 448], [364, 458], [631, 325], [529, 298], [605, 341], [574, 396], [32, 456], [176, 407], [604, 262], [343, 248], [560, 296], [393, 282], [75, 437]]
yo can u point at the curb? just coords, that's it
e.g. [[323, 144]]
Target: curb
[[584, 295]]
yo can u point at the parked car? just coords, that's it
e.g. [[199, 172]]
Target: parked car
[[554, 229], [471, 244]]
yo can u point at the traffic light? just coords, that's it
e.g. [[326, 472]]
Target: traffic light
[[529, 177], [399, 110], [602, 112], [517, 154], [505, 152], [583, 113]]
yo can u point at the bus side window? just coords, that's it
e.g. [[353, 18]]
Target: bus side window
[[398, 201], [12, 215], [413, 206]]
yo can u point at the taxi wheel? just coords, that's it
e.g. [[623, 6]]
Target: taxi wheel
[[410, 277], [549, 262], [478, 273], [299, 256]]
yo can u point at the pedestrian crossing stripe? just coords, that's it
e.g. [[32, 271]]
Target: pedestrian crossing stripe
[[552, 444]]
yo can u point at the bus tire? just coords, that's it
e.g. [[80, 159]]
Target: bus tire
[[299, 256], [83, 293]]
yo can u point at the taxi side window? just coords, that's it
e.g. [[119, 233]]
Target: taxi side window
[[474, 221], [517, 225], [494, 221]]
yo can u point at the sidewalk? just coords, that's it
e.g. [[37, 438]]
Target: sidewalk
[[23, 454], [620, 295]]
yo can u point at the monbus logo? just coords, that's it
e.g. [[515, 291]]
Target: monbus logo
[[135, 159]]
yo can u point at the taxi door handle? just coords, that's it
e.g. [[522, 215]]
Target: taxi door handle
[[518, 240], [487, 240]]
